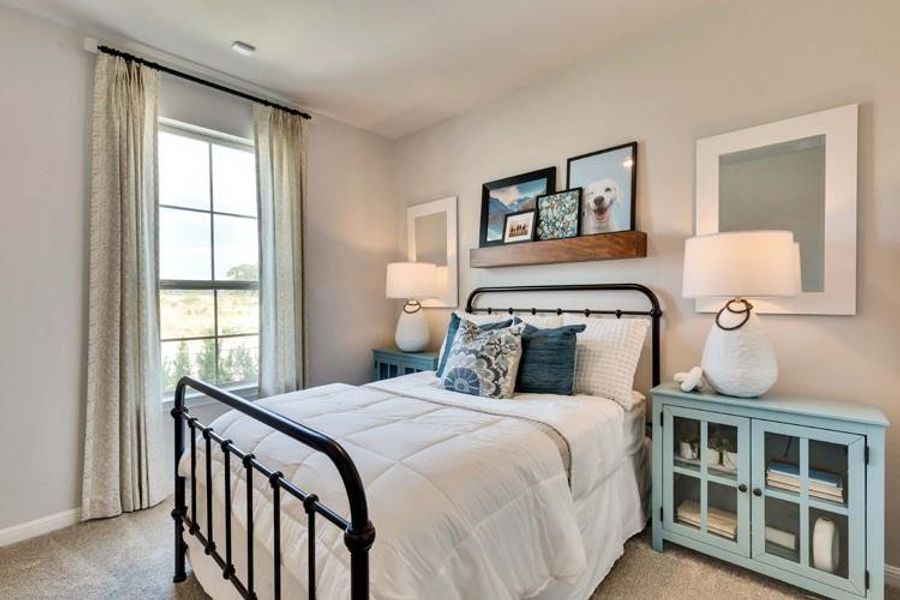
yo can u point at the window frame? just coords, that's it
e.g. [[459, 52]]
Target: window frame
[[246, 389]]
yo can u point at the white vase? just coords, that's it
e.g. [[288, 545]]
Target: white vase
[[412, 331], [739, 362], [826, 545], [713, 457]]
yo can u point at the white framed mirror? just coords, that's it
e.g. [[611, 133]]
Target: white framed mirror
[[799, 174], [431, 237]]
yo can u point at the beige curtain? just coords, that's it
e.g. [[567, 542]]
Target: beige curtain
[[281, 176], [123, 453]]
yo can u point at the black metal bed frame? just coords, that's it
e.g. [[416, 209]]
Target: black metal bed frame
[[655, 313], [359, 533]]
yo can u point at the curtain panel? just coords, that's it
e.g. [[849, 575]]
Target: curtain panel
[[281, 178], [124, 468]]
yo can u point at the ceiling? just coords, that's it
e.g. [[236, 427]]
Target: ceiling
[[389, 66]]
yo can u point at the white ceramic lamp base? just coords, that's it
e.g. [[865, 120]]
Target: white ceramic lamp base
[[739, 362], [412, 329]]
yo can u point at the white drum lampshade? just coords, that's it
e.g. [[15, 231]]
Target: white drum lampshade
[[738, 359], [413, 281]]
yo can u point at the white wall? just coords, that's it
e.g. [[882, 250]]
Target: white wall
[[198, 105], [44, 198], [729, 66], [44, 161], [351, 234]]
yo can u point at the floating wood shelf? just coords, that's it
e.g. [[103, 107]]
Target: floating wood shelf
[[608, 246]]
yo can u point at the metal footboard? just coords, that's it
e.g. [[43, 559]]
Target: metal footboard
[[359, 534]]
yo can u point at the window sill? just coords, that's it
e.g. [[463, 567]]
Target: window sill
[[195, 399]]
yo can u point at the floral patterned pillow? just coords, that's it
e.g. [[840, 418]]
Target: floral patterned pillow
[[484, 362]]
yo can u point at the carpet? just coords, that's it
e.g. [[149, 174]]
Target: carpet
[[130, 557]]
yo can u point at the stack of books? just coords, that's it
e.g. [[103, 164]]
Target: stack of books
[[717, 521], [822, 484]]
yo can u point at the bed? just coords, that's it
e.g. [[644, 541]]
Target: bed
[[530, 498]]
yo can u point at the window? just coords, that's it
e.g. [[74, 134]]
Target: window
[[208, 258]]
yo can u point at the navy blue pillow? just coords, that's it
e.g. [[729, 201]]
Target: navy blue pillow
[[548, 360], [453, 327]]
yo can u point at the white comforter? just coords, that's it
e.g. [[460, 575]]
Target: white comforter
[[470, 497]]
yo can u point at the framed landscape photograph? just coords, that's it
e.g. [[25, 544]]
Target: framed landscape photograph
[[511, 195], [559, 215], [608, 180], [519, 227]]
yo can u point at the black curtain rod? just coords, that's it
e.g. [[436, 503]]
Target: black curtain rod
[[194, 79]]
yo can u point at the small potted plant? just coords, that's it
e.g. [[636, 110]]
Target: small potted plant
[[727, 451], [689, 449], [714, 451]]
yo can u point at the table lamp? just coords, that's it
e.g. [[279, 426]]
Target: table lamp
[[738, 359], [413, 281]]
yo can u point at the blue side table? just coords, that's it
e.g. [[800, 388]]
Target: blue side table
[[789, 487], [390, 362]]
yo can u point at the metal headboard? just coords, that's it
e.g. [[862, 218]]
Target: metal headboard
[[654, 312]]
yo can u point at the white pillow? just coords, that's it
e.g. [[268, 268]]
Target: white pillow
[[606, 356]]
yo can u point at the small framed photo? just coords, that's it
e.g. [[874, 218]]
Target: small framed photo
[[559, 215], [608, 178], [519, 227], [510, 195]]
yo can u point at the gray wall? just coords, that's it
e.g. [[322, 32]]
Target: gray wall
[[44, 185], [729, 66]]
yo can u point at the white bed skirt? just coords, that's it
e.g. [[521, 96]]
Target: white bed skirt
[[614, 511]]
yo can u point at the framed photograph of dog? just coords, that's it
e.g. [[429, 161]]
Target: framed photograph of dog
[[511, 195], [608, 179], [519, 227]]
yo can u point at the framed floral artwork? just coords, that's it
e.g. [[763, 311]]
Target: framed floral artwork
[[559, 215]]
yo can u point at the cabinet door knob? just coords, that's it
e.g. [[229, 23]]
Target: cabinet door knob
[[757, 492], [742, 488]]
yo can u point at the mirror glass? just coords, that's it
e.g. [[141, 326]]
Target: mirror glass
[[779, 186], [431, 238]]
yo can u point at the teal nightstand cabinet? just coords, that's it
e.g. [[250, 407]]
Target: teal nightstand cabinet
[[789, 487], [390, 362]]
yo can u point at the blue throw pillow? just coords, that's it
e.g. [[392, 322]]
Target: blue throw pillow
[[548, 360], [452, 328]]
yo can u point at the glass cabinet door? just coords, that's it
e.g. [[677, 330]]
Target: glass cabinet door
[[808, 502], [706, 466]]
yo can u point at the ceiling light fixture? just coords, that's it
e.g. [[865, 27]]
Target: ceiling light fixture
[[243, 48]]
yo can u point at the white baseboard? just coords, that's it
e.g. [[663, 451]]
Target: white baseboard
[[24, 531], [892, 576]]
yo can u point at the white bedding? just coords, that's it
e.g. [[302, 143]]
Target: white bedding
[[470, 497]]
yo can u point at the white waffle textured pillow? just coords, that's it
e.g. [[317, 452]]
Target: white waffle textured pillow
[[606, 356]]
